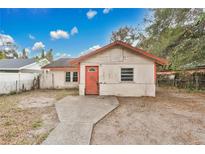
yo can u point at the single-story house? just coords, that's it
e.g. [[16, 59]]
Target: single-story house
[[61, 74], [116, 69]]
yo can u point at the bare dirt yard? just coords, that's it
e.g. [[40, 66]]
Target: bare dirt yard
[[28, 117], [172, 117]]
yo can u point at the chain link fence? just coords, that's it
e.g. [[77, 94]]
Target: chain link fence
[[183, 80]]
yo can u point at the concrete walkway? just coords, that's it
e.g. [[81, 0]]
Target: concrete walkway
[[77, 115]]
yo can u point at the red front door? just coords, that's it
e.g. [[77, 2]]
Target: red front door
[[91, 80]]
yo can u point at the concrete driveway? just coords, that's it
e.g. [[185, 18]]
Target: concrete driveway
[[77, 115]]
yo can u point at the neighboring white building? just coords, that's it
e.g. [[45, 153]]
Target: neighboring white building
[[19, 74], [22, 65]]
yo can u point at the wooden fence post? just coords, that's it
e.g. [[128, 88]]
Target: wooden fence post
[[38, 82], [53, 80], [156, 81], [16, 85], [197, 82]]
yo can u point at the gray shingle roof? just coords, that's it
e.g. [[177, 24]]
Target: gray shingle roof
[[62, 62], [15, 64]]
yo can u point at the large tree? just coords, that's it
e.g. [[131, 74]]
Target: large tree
[[8, 46], [43, 53], [2, 56], [176, 34], [24, 54], [125, 34], [49, 55]]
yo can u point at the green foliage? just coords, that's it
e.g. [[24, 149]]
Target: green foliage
[[125, 34], [2, 56], [43, 53], [49, 55], [37, 124], [8, 50], [24, 54], [175, 34]]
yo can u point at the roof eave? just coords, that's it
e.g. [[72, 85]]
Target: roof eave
[[10, 69], [58, 67]]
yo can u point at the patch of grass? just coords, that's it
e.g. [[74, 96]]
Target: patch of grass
[[24, 141], [11, 134], [9, 122], [194, 90], [13, 93], [37, 124], [21, 126], [62, 93], [8, 103], [40, 138], [190, 89]]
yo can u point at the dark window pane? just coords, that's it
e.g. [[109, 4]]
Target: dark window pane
[[127, 74], [75, 76], [67, 77]]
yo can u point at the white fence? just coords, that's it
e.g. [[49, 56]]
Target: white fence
[[16, 82], [47, 80]]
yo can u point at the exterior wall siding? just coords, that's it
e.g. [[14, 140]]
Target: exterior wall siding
[[56, 80], [128, 89], [110, 63]]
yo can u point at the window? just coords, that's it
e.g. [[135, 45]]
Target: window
[[127, 74], [75, 76], [67, 76], [92, 70]]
